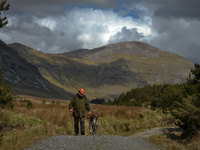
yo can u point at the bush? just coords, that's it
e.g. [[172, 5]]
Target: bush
[[6, 94], [43, 101], [30, 105]]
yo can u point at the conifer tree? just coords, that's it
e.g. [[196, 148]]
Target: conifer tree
[[188, 112], [196, 73], [188, 109], [6, 93], [3, 7]]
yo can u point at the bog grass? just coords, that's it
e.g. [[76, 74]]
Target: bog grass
[[21, 127]]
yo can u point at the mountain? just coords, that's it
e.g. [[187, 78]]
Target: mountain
[[24, 77], [104, 72]]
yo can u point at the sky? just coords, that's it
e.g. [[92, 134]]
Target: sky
[[65, 25]]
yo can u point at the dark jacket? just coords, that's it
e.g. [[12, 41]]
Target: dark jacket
[[80, 105]]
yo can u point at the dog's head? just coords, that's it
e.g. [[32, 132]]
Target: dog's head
[[92, 116]]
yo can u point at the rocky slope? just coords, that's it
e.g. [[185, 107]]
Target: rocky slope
[[104, 72]]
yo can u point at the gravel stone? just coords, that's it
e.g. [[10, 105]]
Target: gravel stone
[[93, 142]]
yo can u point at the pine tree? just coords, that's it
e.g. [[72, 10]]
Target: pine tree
[[188, 113], [196, 71], [188, 109], [6, 94], [3, 7]]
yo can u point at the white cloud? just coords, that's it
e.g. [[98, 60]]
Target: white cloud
[[93, 27], [46, 22], [77, 28]]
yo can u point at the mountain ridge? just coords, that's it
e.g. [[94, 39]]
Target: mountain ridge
[[107, 71]]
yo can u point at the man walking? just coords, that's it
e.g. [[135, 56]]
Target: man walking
[[80, 104]]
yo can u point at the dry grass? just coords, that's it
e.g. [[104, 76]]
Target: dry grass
[[21, 127], [40, 99]]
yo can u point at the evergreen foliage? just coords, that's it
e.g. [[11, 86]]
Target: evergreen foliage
[[1, 138], [196, 72], [188, 113], [157, 96], [3, 7], [188, 109], [98, 101], [6, 94]]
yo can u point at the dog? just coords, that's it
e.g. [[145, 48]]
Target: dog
[[93, 122]]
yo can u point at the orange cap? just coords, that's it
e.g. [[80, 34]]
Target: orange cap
[[81, 91]]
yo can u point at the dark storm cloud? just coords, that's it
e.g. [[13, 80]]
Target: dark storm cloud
[[177, 23], [44, 8], [188, 9], [103, 3], [178, 36]]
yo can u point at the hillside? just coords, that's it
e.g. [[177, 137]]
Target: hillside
[[107, 71], [24, 77]]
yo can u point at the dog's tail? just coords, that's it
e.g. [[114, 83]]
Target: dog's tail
[[97, 113]]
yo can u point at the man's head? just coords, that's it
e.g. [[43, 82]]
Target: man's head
[[81, 92]]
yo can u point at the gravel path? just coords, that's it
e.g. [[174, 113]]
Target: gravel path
[[93, 142], [102, 142]]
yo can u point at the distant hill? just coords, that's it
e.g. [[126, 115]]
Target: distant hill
[[104, 72]]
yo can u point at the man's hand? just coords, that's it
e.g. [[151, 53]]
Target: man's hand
[[70, 110]]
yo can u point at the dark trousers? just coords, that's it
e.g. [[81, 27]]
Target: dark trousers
[[76, 125]]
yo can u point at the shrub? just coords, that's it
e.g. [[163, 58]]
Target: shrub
[[30, 105], [6, 94], [43, 101]]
